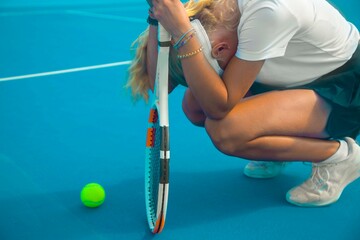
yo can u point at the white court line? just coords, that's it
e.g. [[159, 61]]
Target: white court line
[[43, 74], [66, 11], [26, 13], [105, 16]]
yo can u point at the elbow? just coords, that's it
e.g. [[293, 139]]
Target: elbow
[[217, 114], [193, 113], [219, 108]]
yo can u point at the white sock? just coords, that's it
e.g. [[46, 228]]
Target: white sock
[[340, 154]]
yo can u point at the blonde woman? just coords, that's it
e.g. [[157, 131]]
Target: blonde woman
[[299, 59]]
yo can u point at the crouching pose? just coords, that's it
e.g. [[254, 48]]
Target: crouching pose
[[268, 82]]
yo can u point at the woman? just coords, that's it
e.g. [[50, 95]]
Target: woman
[[301, 61]]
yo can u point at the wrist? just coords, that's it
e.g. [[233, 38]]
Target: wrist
[[183, 39], [152, 21], [179, 33]]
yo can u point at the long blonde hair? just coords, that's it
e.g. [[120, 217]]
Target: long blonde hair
[[211, 13]]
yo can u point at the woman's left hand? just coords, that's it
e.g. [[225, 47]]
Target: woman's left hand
[[172, 16]]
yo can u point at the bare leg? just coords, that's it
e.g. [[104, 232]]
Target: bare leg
[[193, 110], [277, 126]]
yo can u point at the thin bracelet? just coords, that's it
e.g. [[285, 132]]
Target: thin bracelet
[[190, 54], [182, 37], [185, 40]]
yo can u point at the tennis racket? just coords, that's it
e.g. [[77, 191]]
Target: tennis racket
[[157, 142]]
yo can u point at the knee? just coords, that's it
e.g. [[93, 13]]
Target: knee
[[226, 139], [195, 116]]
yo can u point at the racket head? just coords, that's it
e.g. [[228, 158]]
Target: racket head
[[156, 171]]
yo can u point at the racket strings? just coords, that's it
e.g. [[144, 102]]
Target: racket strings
[[153, 144], [153, 127]]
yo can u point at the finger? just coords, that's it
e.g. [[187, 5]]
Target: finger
[[157, 9], [151, 13]]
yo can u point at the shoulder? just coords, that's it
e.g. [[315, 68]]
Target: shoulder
[[270, 10], [265, 28]]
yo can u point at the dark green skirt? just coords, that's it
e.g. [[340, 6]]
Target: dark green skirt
[[341, 89]]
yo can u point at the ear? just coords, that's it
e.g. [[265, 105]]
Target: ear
[[220, 50]]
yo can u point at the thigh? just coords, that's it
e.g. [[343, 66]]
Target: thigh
[[298, 112]]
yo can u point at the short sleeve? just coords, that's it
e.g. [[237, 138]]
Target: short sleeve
[[265, 30]]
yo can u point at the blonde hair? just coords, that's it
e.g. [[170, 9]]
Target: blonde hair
[[211, 13]]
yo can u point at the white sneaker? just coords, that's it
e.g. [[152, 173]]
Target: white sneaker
[[327, 180], [263, 169]]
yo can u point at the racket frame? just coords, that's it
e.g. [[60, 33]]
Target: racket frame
[[161, 108]]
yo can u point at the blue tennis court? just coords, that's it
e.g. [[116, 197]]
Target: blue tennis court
[[66, 120]]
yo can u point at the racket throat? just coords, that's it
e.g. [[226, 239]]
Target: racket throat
[[161, 208]]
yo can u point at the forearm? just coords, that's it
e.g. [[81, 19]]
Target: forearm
[[207, 87], [151, 54], [217, 96]]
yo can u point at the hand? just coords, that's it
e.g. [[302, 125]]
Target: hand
[[172, 16]]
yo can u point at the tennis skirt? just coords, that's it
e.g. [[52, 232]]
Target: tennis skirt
[[341, 89]]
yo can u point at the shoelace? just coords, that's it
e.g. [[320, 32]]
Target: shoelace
[[320, 176], [258, 164], [265, 163]]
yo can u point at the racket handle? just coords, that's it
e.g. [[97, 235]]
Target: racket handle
[[164, 37]]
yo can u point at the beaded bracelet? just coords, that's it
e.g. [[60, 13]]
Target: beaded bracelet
[[184, 41], [182, 37], [190, 54]]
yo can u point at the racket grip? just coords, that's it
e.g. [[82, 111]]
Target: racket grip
[[164, 155], [164, 37]]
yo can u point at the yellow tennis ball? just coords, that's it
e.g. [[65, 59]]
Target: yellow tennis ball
[[92, 195]]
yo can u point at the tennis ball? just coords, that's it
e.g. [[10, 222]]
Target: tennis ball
[[92, 195]]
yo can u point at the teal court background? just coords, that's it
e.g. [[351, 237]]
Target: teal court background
[[61, 131]]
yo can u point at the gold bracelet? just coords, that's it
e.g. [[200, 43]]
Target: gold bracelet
[[190, 54]]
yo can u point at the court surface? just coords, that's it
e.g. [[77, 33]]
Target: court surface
[[66, 120]]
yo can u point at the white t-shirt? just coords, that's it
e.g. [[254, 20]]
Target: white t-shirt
[[301, 40]]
